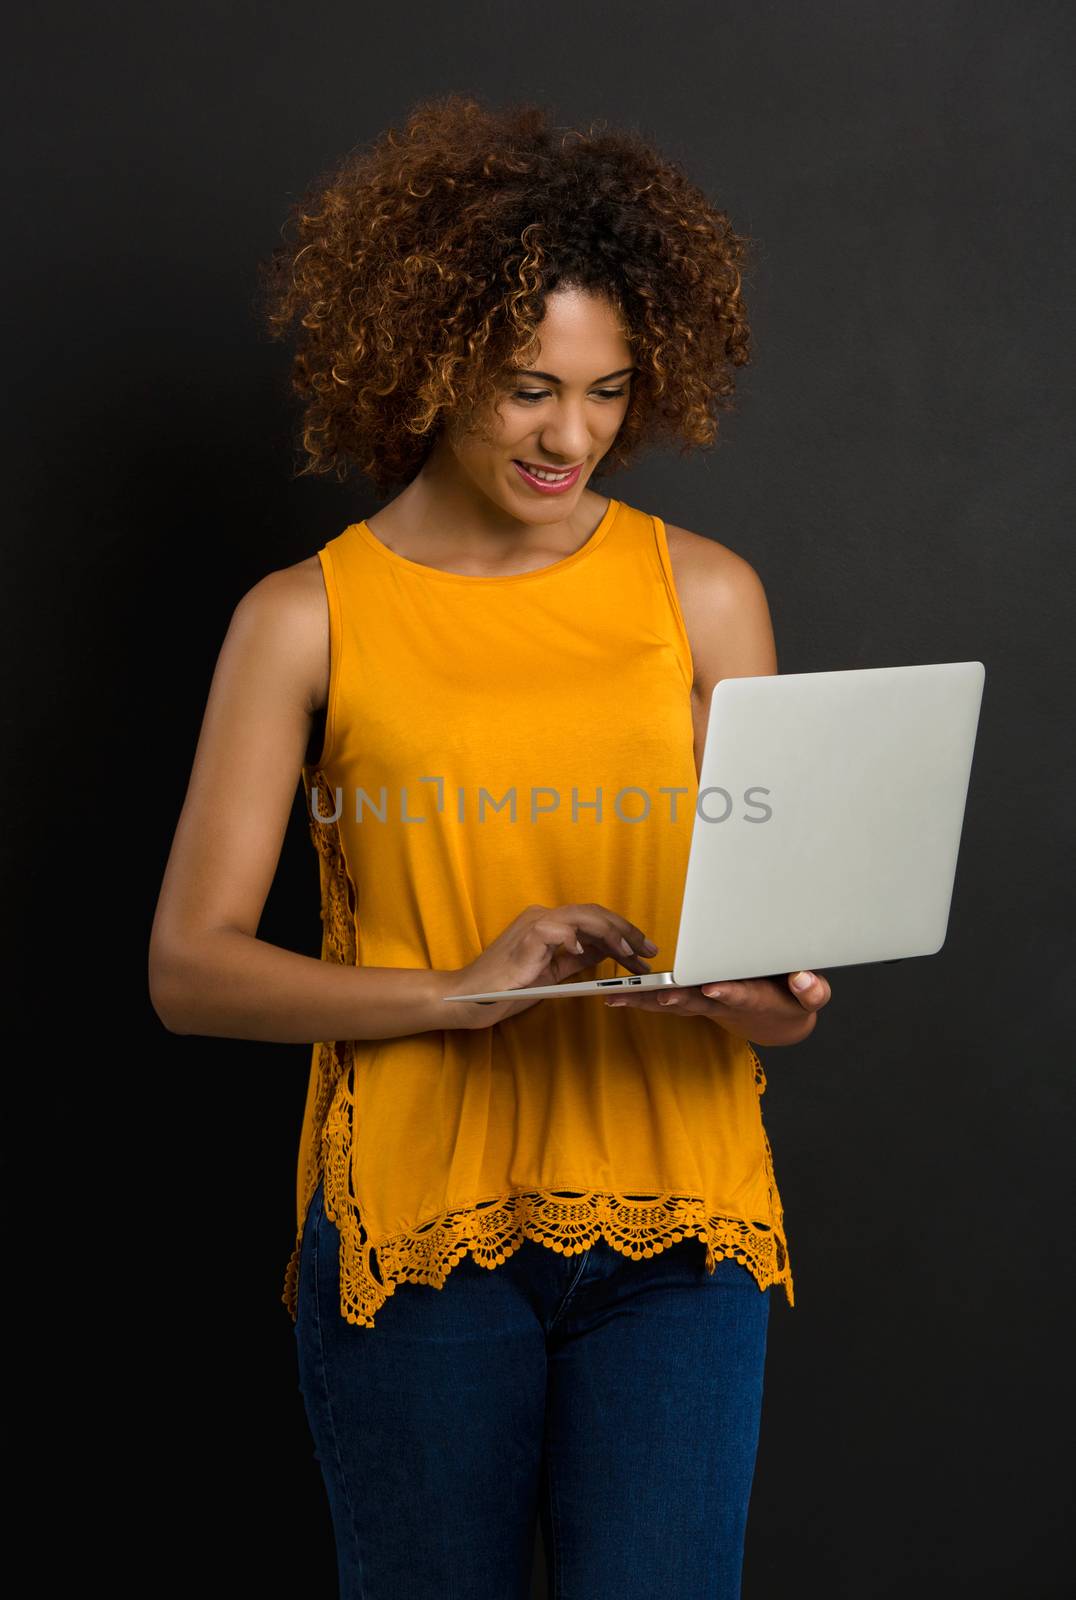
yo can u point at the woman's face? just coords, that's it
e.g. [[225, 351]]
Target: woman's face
[[563, 412]]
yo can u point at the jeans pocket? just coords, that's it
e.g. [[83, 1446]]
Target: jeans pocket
[[308, 1252]]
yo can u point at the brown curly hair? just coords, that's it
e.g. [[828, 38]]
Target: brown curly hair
[[417, 271]]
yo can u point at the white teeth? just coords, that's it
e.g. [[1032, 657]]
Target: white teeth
[[546, 477]]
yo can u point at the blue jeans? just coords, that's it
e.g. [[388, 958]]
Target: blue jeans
[[617, 1400]]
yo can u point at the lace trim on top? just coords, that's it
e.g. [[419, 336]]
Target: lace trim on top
[[565, 1220]]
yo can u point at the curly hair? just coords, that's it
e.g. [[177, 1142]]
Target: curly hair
[[416, 271]]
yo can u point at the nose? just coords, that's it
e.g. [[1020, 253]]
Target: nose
[[566, 436]]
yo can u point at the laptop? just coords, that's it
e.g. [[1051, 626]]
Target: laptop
[[828, 820]]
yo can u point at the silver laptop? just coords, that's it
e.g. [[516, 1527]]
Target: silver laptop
[[826, 831]]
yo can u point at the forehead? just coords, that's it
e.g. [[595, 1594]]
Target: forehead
[[574, 314], [580, 337]]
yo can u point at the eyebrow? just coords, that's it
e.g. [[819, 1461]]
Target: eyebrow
[[525, 372]]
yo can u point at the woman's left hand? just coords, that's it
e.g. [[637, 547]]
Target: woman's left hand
[[765, 1010]]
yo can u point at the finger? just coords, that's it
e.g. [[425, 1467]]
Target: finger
[[607, 944], [600, 948], [613, 928], [732, 993], [554, 933], [602, 930], [813, 994], [757, 994], [685, 1002]]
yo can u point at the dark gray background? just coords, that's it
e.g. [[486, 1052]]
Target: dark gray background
[[897, 472]]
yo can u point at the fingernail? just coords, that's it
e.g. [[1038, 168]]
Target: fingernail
[[650, 947], [626, 947], [712, 991], [669, 1000], [616, 1002], [578, 948], [802, 980]]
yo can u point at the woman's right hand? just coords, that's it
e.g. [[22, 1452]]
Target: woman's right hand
[[545, 945]]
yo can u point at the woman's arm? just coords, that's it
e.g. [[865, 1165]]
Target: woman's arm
[[209, 973], [727, 617]]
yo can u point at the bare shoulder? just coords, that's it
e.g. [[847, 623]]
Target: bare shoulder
[[725, 609], [706, 562], [285, 617], [293, 587]]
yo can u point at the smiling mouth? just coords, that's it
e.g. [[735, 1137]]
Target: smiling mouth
[[540, 466]]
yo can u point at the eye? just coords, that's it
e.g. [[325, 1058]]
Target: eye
[[540, 394]]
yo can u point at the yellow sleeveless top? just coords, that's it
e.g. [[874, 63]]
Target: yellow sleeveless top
[[493, 743]]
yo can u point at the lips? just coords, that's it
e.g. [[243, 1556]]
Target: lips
[[562, 484]]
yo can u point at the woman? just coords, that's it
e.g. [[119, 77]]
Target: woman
[[534, 1239]]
